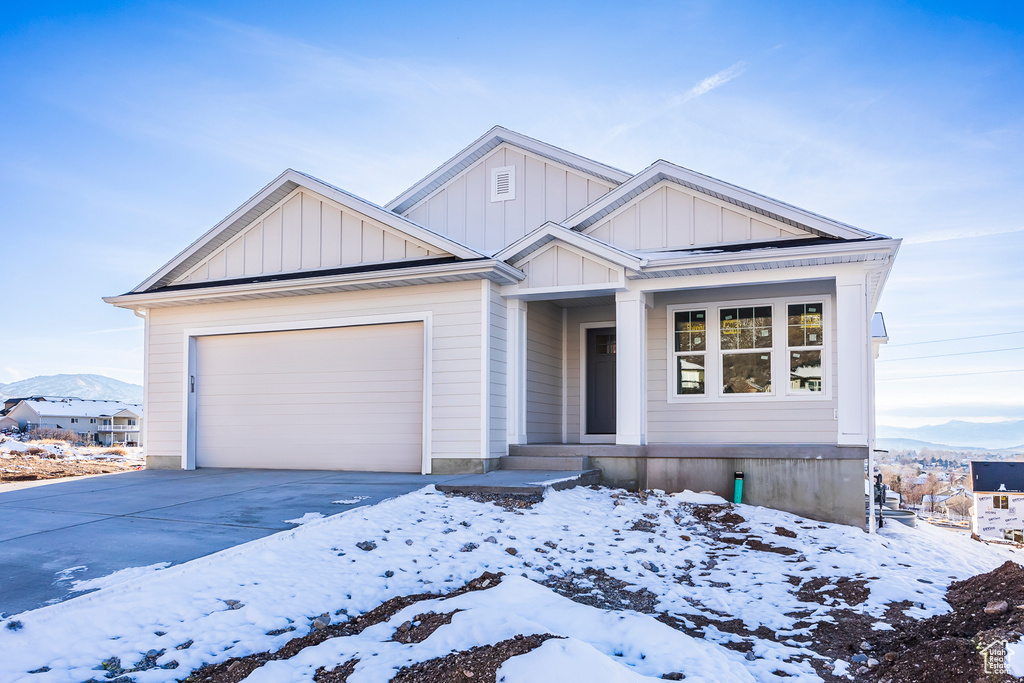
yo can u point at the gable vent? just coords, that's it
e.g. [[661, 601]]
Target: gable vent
[[503, 183]]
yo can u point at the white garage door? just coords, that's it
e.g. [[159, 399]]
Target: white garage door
[[347, 398]]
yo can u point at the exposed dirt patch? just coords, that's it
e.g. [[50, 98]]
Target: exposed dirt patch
[[421, 626], [596, 588], [473, 665], [237, 668], [45, 465], [509, 501], [850, 591], [721, 515], [783, 531], [947, 647], [643, 525], [338, 674]]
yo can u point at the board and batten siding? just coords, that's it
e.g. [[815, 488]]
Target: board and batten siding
[[455, 354], [462, 209], [562, 266], [306, 231], [543, 372], [772, 420], [667, 216]]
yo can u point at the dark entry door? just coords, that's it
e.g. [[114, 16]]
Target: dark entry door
[[601, 380]]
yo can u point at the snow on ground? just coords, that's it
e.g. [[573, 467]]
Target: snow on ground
[[228, 604], [63, 450]]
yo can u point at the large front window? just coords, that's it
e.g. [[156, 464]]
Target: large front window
[[745, 335], [763, 350]]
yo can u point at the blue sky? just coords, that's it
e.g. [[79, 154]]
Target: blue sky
[[129, 129]]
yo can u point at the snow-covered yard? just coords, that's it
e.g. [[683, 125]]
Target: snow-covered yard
[[715, 593]]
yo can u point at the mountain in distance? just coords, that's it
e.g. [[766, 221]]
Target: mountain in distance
[[958, 435], [80, 386]]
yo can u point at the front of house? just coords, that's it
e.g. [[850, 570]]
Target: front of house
[[523, 299]]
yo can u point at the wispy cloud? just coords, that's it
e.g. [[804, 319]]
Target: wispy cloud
[[947, 235], [702, 88]]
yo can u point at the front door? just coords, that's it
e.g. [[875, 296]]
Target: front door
[[601, 380]]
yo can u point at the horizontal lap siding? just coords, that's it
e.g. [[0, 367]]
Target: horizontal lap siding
[[456, 353], [543, 372]]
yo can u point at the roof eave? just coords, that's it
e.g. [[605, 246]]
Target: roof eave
[[497, 271], [336, 194]]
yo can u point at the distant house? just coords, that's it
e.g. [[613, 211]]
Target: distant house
[[103, 422], [998, 489]]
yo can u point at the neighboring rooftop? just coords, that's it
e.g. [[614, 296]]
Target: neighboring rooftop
[[997, 477], [75, 407]]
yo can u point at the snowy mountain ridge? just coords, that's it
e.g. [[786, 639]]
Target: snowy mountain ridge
[[80, 386]]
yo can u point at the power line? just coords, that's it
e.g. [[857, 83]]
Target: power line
[[937, 341], [953, 374], [947, 355]]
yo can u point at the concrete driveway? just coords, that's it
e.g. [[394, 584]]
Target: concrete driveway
[[99, 525]]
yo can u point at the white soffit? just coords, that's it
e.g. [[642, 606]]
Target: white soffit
[[482, 146], [726, 192], [267, 198]]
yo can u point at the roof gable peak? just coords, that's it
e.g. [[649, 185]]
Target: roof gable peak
[[662, 170], [498, 135]]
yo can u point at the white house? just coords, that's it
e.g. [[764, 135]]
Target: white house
[[998, 489], [524, 300], [104, 422]]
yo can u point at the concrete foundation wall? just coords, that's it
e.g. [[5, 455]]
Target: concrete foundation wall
[[826, 490], [822, 482]]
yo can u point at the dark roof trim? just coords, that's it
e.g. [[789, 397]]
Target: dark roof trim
[[766, 244], [306, 274]]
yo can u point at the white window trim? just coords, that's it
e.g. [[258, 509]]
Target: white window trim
[[780, 350]]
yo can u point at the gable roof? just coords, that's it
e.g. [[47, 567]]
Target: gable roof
[[484, 144], [766, 206], [1002, 477], [550, 232], [270, 195]]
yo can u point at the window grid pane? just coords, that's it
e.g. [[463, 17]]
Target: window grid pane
[[690, 375], [746, 373], [690, 331]]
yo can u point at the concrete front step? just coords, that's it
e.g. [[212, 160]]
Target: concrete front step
[[544, 462], [529, 482]]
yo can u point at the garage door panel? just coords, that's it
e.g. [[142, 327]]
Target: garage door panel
[[341, 398]]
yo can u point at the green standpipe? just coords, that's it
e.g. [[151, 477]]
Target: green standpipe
[[737, 489]]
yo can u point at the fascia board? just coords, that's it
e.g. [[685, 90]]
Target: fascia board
[[582, 242], [507, 273], [336, 194], [725, 191], [209, 234], [498, 135], [887, 246]]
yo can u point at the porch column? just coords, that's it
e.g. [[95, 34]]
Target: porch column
[[516, 367], [852, 358], [631, 368]]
